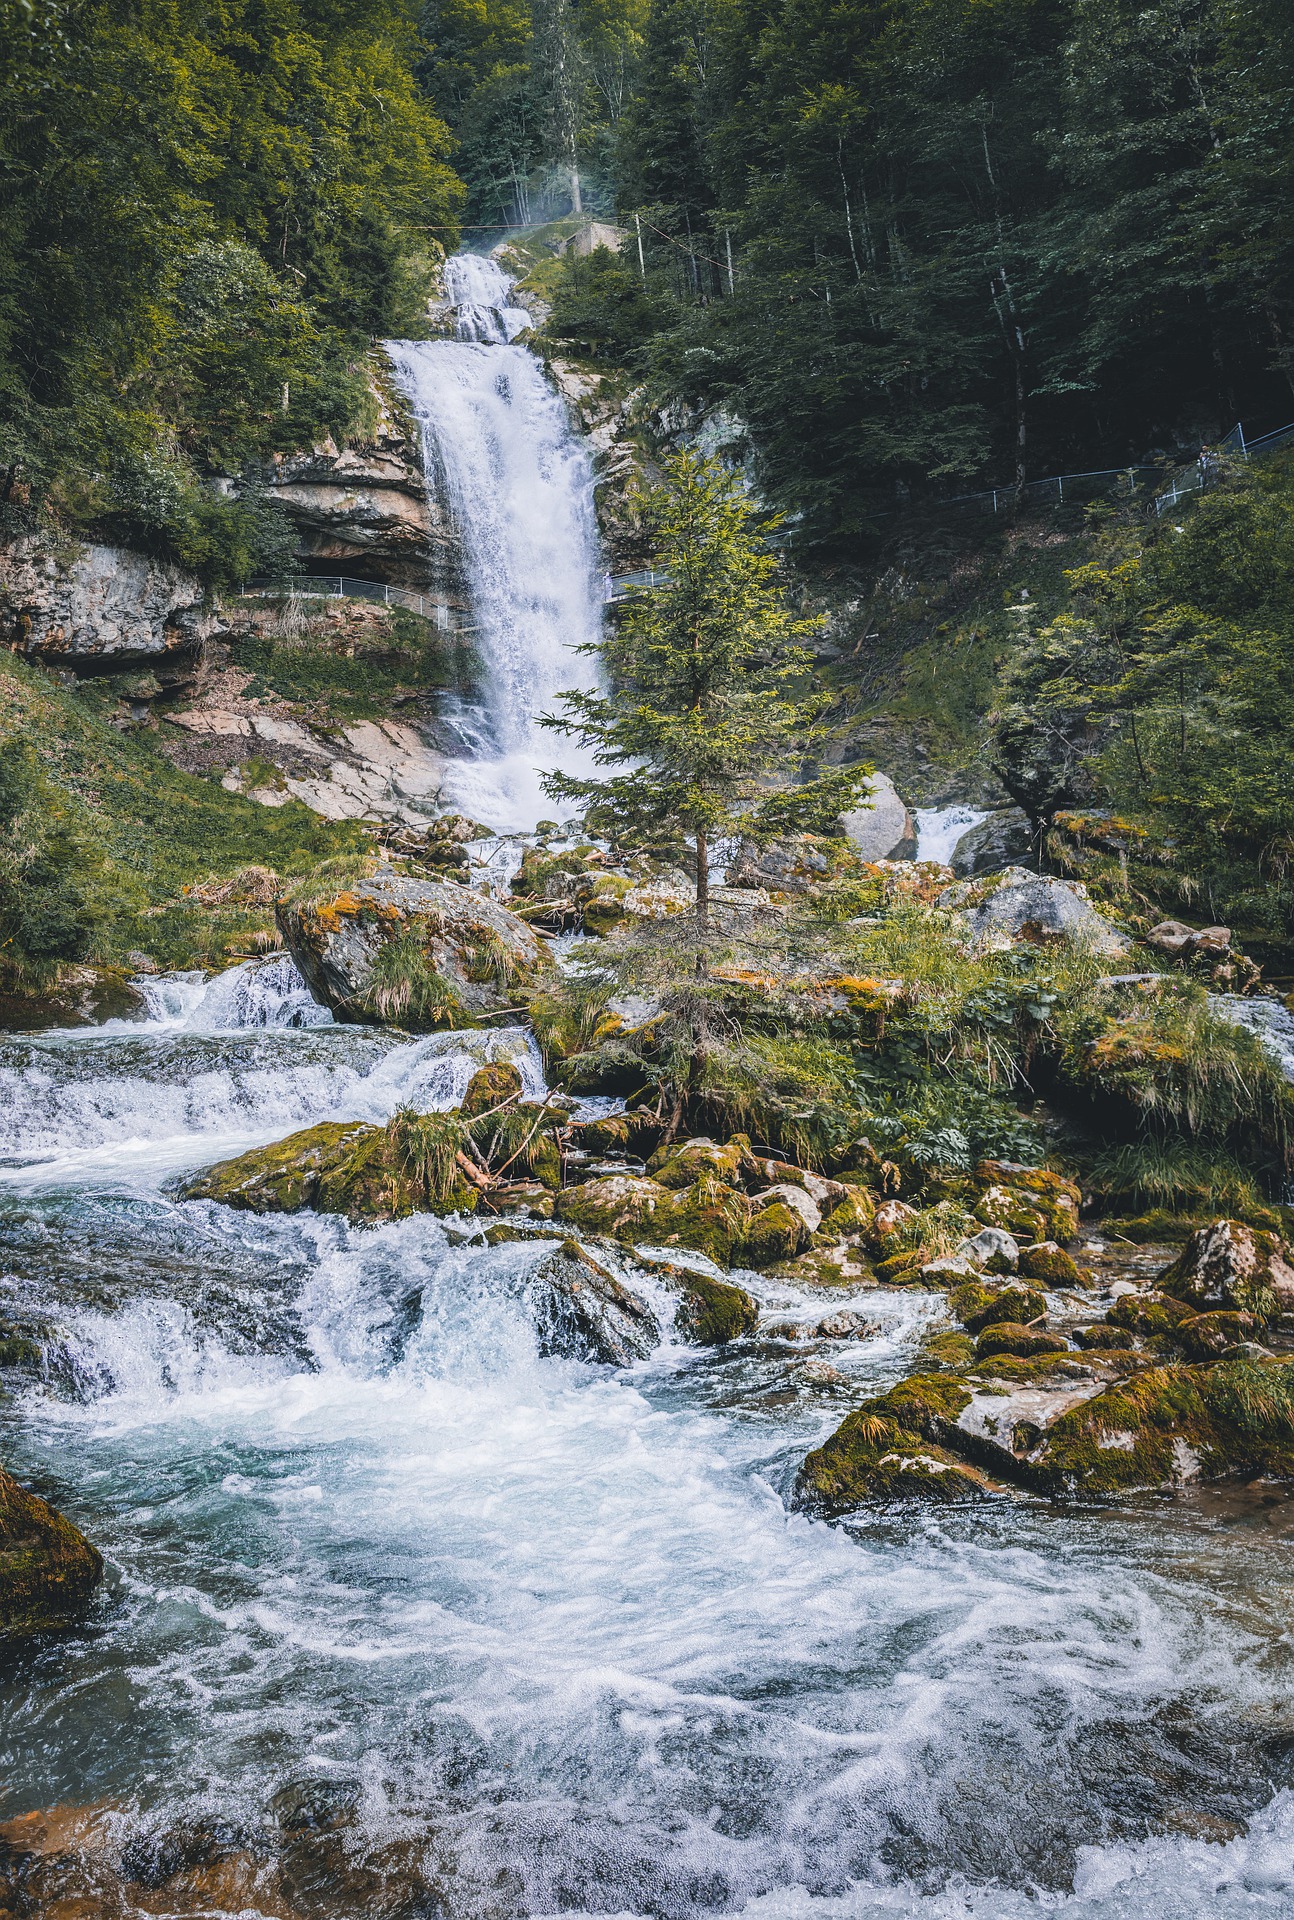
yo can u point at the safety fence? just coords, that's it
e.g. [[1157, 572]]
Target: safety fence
[[312, 586]]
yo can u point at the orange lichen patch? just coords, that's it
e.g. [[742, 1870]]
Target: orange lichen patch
[[1132, 1044]]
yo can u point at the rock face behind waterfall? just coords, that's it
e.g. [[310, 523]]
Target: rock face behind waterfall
[[96, 608], [414, 952], [48, 1570]]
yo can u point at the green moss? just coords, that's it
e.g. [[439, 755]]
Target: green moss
[[1008, 1336], [979, 1304], [48, 1570], [1148, 1313], [364, 1172], [342, 678], [1049, 1264], [680, 1166], [712, 1312], [870, 1462], [490, 1086]]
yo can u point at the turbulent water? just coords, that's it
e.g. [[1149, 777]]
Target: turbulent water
[[547, 1632], [518, 484]]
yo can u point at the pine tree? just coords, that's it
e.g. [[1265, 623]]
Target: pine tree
[[706, 691]]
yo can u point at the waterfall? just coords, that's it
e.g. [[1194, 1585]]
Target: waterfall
[[518, 485]]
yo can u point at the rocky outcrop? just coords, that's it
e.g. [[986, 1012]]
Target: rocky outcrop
[[99, 609], [880, 827], [1002, 839], [1018, 905], [48, 1570], [1230, 1267], [337, 1167], [365, 507], [413, 952]]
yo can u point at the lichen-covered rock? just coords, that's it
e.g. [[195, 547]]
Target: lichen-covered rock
[[582, 1312], [622, 1206], [418, 953], [1053, 1196], [1049, 1263], [1008, 1336], [48, 1569], [708, 1216], [489, 1087], [993, 1249], [889, 1218], [342, 1167], [1208, 1336], [855, 1213], [1231, 1267], [795, 864], [1017, 905], [773, 1234], [93, 608]]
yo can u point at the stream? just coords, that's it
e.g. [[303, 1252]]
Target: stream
[[415, 1622]]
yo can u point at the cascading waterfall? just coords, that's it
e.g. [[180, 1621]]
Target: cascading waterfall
[[518, 484]]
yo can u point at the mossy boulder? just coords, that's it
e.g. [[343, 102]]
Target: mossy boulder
[[490, 1086], [583, 1312], [1232, 1268], [1050, 1194], [418, 953], [1008, 1336], [1103, 1338], [1148, 1314], [627, 1133], [1208, 1336], [48, 1569], [1169, 1425], [712, 1312], [1049, 1263], [979, 1304], [999, 1207], [870, 1462], [336, 1167], [708, 1216], [623, 1206], [773, 1234], [691, 1160], [855, 1213]]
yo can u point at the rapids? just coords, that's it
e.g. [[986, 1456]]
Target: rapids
[[545, 1629]]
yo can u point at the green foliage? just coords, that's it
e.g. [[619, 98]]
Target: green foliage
[[347, 680], [208, 214], [406, 989], [707, 689], [424, 1149], [46, 869], [1174, 1173], [600, 307]]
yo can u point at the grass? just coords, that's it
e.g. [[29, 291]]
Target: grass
[[343, 678]]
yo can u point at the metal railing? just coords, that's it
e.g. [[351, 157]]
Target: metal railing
[[1205, 470], [310, 586]]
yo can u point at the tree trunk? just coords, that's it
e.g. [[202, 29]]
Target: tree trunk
[[577, 204], [702, 899]]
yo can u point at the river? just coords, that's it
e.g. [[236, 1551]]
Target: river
[[411, 1621]]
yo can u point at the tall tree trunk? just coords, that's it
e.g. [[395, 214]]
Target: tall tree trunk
[[702, 899]]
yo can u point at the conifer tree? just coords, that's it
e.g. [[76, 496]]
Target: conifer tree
[[706, 687]]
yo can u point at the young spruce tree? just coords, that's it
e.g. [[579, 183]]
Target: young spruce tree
[[704, 689]]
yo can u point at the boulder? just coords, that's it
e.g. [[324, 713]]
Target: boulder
[[680, 1165], [993, 1249], [48, 1569], [711, 1310], [1002, 839], [582, 1312], [1008, 1336], [489, 1087], [623, 1206], [775, 1233], [1049, 1263], [1233, 1268], [889, 1449], [792, 865], [420, 953], [337, 1167], [1050, 1194], [979, 1304], [81, 996], [797, 1198], [881, 828], [98, 609], [1018, 905]]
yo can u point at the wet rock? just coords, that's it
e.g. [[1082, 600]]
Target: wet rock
[[96, 608], [1233, 1267], [1017, 905], [881, 828], [82, 996], [1002, 839], [774, 1234], [489, 1087], [342, 1167], [415, 952], [1039, 1189], [48, 1569], [846, 1325], [888, 1450], [797, 1198], [582, 1312], [993, 1249], [711, 1311]]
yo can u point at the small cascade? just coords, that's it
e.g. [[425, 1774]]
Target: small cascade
[[940, 828], [260, 993], [518, 484]]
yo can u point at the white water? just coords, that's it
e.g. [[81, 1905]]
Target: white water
[[518, 484], [940, 828], [551, 1624]]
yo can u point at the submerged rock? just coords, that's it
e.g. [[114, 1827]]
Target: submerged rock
[[422, 954], [48, 1569], [582, 1312], [887, 1450], [82, 996]]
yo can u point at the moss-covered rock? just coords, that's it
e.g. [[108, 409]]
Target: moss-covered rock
[[418, 953], [1049, 1263], [1208, 1336], [708, 1216], [773, 1234], [869, 1461], [628, 1133], [490, 1086], [855, 1213], [1173, 1424], [48, 1569], [902, 1268], [1008, 1336], [1148, 1314], [361, 1171], [692, 1160], [1103, 1338], [712, 1312], [622, 1206], [1232, 1268], [979, 1304], [999, 1207], [1049, 1194]]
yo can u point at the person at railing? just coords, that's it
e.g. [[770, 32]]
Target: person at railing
[[1209, 465]]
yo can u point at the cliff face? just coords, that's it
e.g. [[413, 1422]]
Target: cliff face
[[97, 608], [363, 508]]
